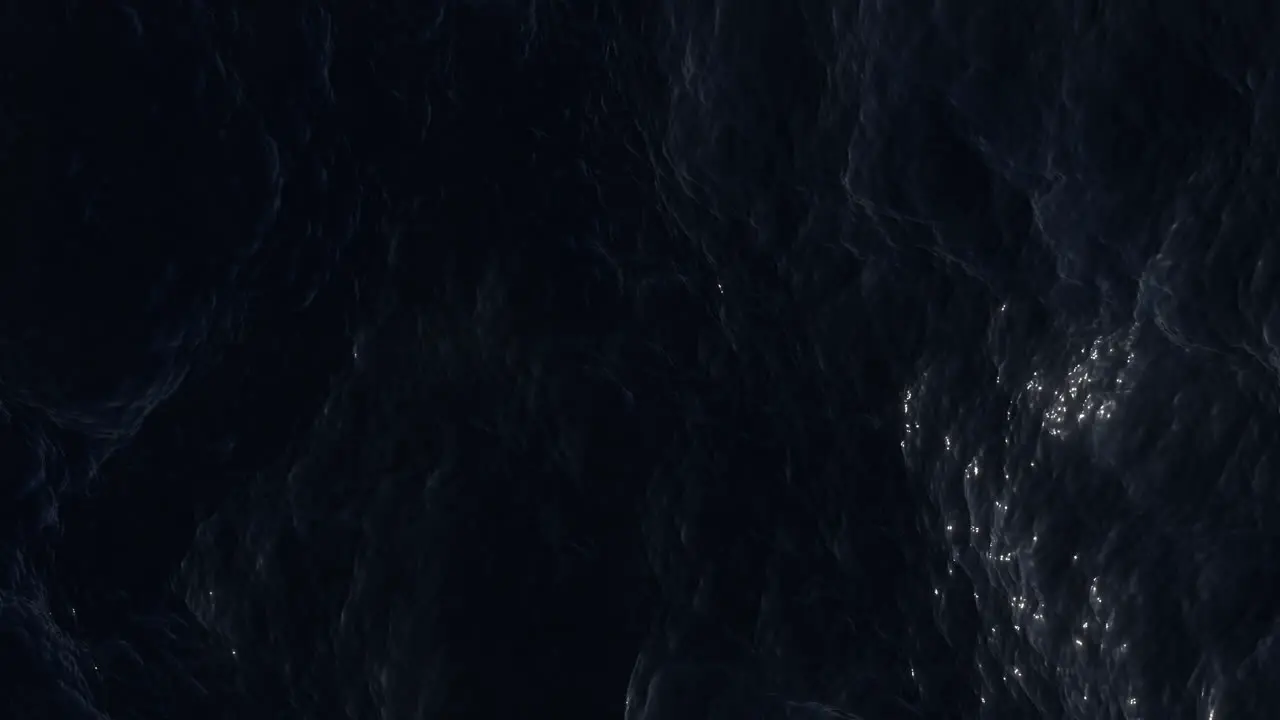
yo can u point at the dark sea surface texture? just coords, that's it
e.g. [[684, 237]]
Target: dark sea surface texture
[[669, 360]]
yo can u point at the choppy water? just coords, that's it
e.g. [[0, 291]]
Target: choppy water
[[671, 360]]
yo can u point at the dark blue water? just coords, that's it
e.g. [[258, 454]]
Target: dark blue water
[[661, 361]]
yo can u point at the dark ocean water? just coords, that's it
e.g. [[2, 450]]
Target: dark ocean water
[[670, 361]]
